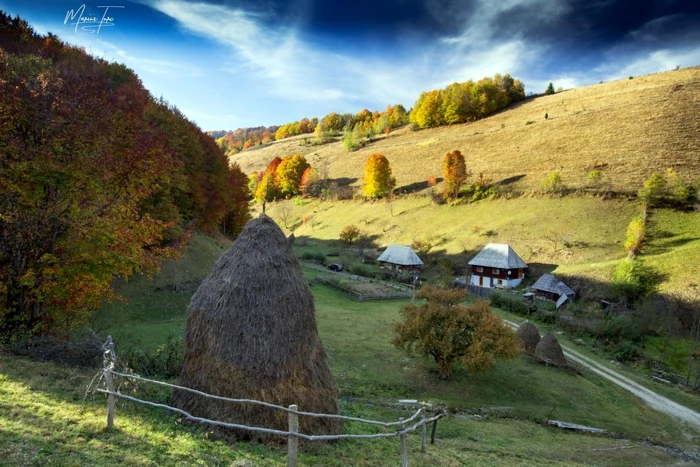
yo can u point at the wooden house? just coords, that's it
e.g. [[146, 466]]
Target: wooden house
[[400, 258], [551, 288], [497, 265]]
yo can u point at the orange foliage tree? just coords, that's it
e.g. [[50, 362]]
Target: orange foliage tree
[[288, 175], [456, 174], [451, 333], [378, 181], [97, 180]]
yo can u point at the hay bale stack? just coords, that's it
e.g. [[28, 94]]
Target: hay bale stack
[[529, 337], [251, 333], [550, 351]]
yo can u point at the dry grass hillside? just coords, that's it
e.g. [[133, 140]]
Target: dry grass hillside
[[631, 128]]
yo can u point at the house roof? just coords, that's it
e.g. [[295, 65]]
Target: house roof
[[549, 283], [498, 255], [401, 255]]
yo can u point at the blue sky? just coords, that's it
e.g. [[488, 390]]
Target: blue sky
[[230, 64]]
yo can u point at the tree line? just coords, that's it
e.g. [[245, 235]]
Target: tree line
[[98, 179]]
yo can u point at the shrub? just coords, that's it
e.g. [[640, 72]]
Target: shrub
[[512, 303], [360, 269], [165, 362], [594, 177], [636, 232], [529, 122], [350, 234], [553, 183], [633, 280]]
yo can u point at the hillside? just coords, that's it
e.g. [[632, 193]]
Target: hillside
[[629, 128]]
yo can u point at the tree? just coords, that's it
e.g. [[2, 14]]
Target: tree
[[288, 175], [553, 183], [310, 184], [654, 189], [451, 333], [350, 234], [636, 231], [456, 175], [549, 90], [378, 181]]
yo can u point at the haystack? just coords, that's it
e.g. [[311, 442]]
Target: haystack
[[251, 333], [550, 351], [529, 337]]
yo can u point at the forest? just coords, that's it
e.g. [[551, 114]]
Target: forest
[[98, 179]]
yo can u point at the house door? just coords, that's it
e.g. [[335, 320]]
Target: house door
[[481, 281]]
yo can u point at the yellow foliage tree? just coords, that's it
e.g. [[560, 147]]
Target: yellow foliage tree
[[378, 181], [452, 333], [288, 175]]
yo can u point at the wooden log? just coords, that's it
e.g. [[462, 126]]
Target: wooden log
[[404, 454], [108, 365], [292, 440], [432, 433], [424, 431]]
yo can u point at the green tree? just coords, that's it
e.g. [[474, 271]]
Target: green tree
[[553, 183], [350, 234], [636, 231], [549, 90], [450, 333], [378, 181], [654, 189]]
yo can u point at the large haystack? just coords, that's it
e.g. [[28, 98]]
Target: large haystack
[[251, 333], [550, 351], [529, 337]]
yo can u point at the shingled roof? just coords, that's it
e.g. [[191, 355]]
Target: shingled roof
[[498, 255], [401, 255], [549, 283]]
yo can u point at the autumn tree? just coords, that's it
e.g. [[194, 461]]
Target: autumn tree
[[267, 189], [310, 184], [456, 174], [98, 180], [288, 175], [452, 333], [378, 181]]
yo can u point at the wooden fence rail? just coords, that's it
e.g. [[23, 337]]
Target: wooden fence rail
[[292, 435]]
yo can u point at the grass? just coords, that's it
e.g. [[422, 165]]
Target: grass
[[626, 129], [43, 415]]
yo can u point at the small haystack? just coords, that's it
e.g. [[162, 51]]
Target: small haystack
[[251, 334], [529, 337], [550, 351]]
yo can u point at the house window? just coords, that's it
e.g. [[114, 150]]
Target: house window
[[479, 269], [496, 271]]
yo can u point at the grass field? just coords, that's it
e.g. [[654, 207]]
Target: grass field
[[43, 414], [628, 128]]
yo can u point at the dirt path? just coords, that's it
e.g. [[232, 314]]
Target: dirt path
[[655, 401]]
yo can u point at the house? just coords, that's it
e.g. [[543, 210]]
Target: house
[[551, 288], [400, 258], [497, 265]]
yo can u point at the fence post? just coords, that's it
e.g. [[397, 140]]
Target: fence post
[[404, 454], [292, 440], [107, 367], [424, 432], [432, 433]]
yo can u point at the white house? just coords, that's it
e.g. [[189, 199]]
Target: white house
[[497, 265]]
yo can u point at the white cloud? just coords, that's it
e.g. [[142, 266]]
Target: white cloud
[[651, 62]]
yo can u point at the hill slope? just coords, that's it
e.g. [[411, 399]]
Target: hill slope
[[631, 127]]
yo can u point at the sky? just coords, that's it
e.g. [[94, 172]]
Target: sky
[[230, 64]]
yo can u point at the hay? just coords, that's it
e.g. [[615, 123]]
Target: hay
[[550, 351], [251, 333], [529, 337]]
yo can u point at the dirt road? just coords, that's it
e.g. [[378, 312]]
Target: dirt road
[[656, 401]]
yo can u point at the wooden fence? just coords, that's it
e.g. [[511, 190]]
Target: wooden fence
[[483, 292], [292, 434], [356, 277], [360, 296]]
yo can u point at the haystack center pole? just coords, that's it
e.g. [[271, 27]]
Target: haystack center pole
[[292, 440], [107, 367]]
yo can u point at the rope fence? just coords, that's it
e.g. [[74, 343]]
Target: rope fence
[[293, 435]]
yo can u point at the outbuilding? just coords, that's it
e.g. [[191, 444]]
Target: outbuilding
[[551, 288], [400, 258]]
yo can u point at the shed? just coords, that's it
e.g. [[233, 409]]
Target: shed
[[551, 288], [497, 265], [400, 258]]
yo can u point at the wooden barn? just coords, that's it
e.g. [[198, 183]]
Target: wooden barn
[[497, 265], [551, 288], [400, 258]]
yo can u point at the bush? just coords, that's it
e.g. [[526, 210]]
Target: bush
[[636, 232], [512, 303], [314, 256], [627, 352], [165, 362], [360, 269], [553, 183]]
